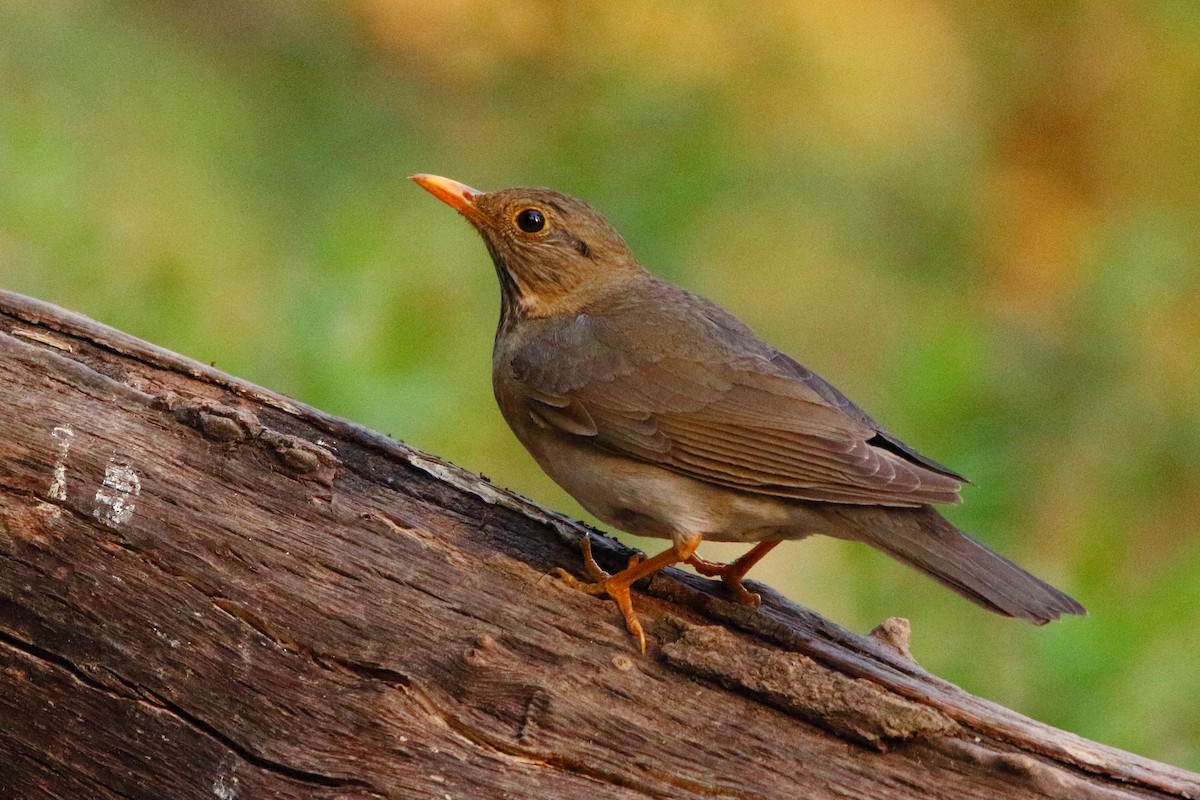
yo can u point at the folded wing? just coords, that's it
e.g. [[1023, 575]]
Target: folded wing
[[739, 416]]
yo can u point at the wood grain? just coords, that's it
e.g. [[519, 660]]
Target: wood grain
[[210, 590]]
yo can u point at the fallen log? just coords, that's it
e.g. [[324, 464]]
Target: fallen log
[[210, 590]]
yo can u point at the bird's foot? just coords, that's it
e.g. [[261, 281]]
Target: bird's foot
[[618, 586], [727, 573], [594, 570], [731, 573]]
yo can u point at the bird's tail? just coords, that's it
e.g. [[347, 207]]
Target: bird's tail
[[924, 539]]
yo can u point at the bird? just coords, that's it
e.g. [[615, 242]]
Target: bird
[[665, 416]]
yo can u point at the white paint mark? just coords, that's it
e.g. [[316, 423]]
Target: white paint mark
[[223, 790], [63, 435], [115, 500]]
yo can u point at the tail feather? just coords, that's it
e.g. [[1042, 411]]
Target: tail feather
[[924, 539]]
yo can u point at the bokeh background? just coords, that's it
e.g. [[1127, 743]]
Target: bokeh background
[[981, 221]]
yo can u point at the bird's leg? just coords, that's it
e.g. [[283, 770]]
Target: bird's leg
[[597, 572], [733, 572], [617, 586]]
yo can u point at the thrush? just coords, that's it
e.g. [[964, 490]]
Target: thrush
[[666, 416]]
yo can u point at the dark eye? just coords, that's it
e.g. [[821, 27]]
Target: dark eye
[[531, 220]]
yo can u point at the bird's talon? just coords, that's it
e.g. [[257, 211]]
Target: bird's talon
[[599, 589], [709, 569], [589, 562], [635, 628], [744, 596], [731, 573], [617, 586], [566, 577]]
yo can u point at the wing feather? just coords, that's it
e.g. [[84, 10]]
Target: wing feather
[[721, 408]]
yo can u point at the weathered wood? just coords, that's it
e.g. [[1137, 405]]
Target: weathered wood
[[209, 590]]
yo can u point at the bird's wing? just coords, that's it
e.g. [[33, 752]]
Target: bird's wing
[[745, 418]]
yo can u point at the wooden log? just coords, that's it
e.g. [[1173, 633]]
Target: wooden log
[[210, 590]]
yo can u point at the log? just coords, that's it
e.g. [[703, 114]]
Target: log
[[210, 590]]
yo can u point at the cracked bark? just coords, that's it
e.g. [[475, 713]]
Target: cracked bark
[[209, 590]]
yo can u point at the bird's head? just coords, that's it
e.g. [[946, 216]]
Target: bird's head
[[553, 253]]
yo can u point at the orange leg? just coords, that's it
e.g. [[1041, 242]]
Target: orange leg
[[733, 572], [617, 586]]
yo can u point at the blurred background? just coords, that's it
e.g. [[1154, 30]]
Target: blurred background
[[981, 221]]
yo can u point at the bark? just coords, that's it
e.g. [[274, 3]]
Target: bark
[[210, 590]]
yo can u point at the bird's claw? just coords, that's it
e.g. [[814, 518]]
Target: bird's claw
[[615, 588], [606, 585], [744, 596], [730, 574], [596, 588], [594, 570]]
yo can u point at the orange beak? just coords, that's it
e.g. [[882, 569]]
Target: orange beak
[[457, 195]]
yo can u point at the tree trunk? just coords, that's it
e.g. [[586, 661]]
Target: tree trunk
[[207, 589]]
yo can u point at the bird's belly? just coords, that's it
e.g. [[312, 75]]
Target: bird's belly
[[647, 500]]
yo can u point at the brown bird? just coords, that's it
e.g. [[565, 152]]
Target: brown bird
[[666, 416]]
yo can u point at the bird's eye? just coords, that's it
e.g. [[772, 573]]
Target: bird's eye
[[531, 220]]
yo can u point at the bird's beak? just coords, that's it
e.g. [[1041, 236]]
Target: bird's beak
[[457, 195]]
